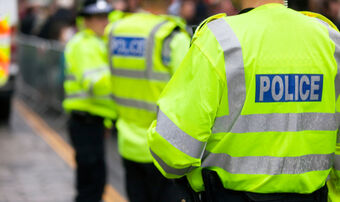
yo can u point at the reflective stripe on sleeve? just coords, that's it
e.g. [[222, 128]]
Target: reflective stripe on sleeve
[[177, 137], [335, 37], [269, 165], [77, 95], [91, 72], [234, 65], [276, 122], [86, 95], [168, 169], [140, 74], [135, 103], [70, 77], [337, 162]]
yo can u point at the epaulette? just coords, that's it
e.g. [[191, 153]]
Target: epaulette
[[117, 15], [206, 21], [320, 17], [177, 20]]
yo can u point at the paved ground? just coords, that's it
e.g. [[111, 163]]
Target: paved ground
[[31, 170]]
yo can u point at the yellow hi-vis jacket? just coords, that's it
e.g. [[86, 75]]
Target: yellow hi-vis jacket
[[145, 50], [5, 46], [88, 80], [255, 101]]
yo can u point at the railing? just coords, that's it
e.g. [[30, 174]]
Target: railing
[[41, 65]]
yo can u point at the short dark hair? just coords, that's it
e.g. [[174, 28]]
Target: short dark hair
[[158, 2], [300, 5]]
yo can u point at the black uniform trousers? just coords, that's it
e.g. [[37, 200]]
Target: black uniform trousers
[[144, 183], [87, 136]]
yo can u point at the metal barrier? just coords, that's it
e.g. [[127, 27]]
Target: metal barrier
[[41, 65]]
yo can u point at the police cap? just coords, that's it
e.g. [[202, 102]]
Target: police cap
[[95, 7]]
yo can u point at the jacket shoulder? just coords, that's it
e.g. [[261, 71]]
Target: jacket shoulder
[[80, 42], [203, 24], [320, 17]]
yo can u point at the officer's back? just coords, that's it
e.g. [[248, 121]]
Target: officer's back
[[262, 114], [280, 96]]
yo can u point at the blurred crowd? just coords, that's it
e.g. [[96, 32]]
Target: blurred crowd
[[55, 19]]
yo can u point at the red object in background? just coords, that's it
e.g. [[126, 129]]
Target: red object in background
[[13, 44]]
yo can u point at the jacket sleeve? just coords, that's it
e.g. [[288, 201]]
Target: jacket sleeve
[[334, 182], [187, 110], [88, 64]]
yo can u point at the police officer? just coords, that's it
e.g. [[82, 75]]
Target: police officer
[[250, 115], [145, 50], [88, 99]]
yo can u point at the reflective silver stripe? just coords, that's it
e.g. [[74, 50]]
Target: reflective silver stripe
[[269, 165], [335, 37], [91, 72], [323, 22], [277, 122], [129, 73], [140, 74], [337, 162], [85, 95], [94, 74], [135, 103], [178, 138], [150, 47], [149, 72], [70, 77], [234, 66], [168, 169], [77, 95]]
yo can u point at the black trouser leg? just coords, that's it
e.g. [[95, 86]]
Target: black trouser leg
[[134, 181], [88, 141], [144, 183]]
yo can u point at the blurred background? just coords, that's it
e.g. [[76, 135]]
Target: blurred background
[[29, 169], [55, 19], [41, 28]]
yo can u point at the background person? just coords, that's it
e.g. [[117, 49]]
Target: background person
[[145, 50], [87, 99]]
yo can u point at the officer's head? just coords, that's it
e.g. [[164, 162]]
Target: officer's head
[[133, 5], [156, 6], [95, 13]]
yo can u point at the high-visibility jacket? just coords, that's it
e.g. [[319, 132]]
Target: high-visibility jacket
[[87, 76], [332, 184], [145, 50], [5, 47], [116, 15], [254, 100]]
